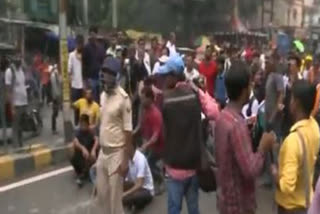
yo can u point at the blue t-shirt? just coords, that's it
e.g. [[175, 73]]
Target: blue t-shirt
[[220, 88]]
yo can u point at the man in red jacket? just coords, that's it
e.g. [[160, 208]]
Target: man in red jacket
[[208, 68]]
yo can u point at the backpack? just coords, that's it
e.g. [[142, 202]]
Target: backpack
[[182, 128]]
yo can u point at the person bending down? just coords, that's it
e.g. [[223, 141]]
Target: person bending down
[[138, 185], [85, 146]]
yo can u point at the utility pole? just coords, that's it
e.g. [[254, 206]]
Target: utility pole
[[115, 14], [68, 127], [85, 12], [262, 14]]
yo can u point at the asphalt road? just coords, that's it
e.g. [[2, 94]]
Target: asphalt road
[[59, 195]]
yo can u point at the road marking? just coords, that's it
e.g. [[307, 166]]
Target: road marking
[[35, 179]]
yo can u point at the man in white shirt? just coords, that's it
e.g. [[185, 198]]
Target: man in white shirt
[[75, 71], [190, 72], [17, 93], [142, 56], [171, 44], [138, 185]]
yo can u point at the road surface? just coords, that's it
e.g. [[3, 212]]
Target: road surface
[[55, 192]]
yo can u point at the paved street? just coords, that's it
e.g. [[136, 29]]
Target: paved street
[[59, 195], [46, 136]]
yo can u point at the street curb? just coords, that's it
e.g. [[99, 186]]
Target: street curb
[[14, 165]]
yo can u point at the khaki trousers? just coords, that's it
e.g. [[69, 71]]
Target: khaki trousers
[[109, 183]]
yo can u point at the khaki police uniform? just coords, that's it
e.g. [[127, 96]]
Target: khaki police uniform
[[116, 117]]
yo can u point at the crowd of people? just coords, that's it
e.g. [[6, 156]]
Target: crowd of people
[[141, 118]]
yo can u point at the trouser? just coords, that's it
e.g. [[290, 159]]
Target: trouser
[[153, 160], [178, 189], [139, 199], [282, 210], [109, 183], [76, 94], [17, 128], [46, 93], [80, 164], [94, 86], [55, 112]]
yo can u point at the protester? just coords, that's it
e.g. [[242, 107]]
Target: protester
[[190, 72], [15, 82], [115, 139], [161, 61], [112, 50], [182, 124], [306, 73], [45, 81], [238, 166], [155, 52], [293, 76], [75, 72], [92, 59], [151, 132], [138, 185], [171, 44], [89, 107], [182, 118], [56, 87], [220, 92], [275, 90], [208, 68], [85, 146], [142, 56], [298, 153]]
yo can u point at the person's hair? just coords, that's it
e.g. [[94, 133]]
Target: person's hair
[[93, 29], [305, 93], [84, 118], [190, 55], [154, 39], [221, 60], [79, 39], [237, 79], [141, 39], [148, 93], [296, 59]]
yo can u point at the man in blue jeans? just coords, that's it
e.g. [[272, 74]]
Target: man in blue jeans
[[182, 137]]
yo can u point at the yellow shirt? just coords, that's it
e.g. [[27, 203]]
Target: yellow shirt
[[116, 118], [291, 192], [92, 110]]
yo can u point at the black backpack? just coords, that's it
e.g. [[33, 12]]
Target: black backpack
[[182, 128]]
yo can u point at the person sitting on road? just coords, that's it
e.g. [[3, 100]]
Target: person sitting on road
[[85, 146], [89, 107], [138, 185]]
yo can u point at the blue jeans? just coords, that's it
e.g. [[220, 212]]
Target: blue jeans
[[94, 85], [177, 189]]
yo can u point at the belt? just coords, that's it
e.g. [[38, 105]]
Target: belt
[[109, 150]]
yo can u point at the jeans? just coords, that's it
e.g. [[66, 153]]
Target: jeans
[[139, 199], [55, 112], [177, 189], [94, 86], [153, 160]]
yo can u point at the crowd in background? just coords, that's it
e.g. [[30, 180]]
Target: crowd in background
[[157, 100]]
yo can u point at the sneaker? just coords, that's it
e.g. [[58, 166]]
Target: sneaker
[[79, 182]]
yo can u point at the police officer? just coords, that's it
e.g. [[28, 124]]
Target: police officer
[[115, 139]]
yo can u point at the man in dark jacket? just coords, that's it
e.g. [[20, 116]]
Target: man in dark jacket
[[92, 59], [182, 137]]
